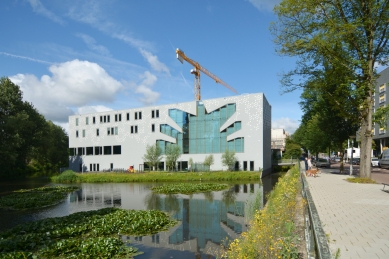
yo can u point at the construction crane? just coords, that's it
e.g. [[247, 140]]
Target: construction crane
[[196, 72]]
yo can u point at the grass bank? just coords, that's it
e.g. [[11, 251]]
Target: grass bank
[[272, 232], [71, 177]]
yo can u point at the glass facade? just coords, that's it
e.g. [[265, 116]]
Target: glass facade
[[201, 134]]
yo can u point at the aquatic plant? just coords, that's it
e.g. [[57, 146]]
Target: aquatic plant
[[35, 198], [91, 234], [189, 188]]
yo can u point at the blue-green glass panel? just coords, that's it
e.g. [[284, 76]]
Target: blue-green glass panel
[[238, 125], [231, 145], [238, 145]]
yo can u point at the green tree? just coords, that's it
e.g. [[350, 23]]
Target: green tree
[[52, 152], [173, 153], [153, 156], [229, 159], [292, 149], [191, 164], [21, 129], [208, 161], [350, 37]]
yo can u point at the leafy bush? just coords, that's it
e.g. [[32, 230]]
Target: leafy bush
[[67, 176], [271, 234]]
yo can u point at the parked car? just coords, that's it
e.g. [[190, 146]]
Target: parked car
[[374, 161], [356, 161], [322, 162], [384, 159], [337, 159]]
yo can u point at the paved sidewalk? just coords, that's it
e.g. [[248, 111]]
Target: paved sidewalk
[[356, 216]]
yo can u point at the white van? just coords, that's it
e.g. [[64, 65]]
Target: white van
[[384, 159]]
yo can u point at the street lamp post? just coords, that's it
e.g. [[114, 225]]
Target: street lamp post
[[352, 152]]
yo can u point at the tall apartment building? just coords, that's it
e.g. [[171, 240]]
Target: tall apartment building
[[380, 134], [118, 139]]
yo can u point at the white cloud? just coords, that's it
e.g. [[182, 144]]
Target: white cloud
[[144, 88], [154, 62], [91, 43], [39, 8], [27, 58], [92, 109], [289, 125], [137, 43], [72, 84], [267, 5]]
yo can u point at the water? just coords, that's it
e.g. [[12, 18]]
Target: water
[[205, 220]]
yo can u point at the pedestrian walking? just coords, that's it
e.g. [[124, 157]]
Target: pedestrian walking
[[309, 163]]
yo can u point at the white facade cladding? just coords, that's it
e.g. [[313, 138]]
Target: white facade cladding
[[118, 139]]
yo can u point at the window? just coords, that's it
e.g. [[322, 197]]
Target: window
[[108, 131], [132, 129], [108, 118], [382, 98], [107, 150], [117, 150], [97, 132], [76, 133], [116, 117], [128, 116], [116, 130], [87, 120], [90, 167], [156, 113], [72, 151], [98, 167], [94, 167], [120, 117], [80, 151], [136, 129], [138, 115], [382, 88], [112, 131], [83, 133], [101, 119], [98, 151], [152, 114], [94, 120], [111, 166], [76, 121], [89, 151], [152, 127], [105, 118]]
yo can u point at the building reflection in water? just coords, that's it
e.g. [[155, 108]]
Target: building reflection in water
[[205, 220]]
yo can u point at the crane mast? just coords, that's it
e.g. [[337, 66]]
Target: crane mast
[[196, 72]]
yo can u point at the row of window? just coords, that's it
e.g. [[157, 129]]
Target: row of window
[[118, 117], [114, 131], [98, 150]]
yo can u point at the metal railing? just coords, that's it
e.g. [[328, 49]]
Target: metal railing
[[315, 237], [289, 161]]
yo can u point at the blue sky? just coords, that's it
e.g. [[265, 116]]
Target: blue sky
[[73, 57]]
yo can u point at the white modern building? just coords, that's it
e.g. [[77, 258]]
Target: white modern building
[[118, 139]]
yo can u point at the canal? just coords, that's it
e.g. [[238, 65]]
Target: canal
[[205, 220]]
